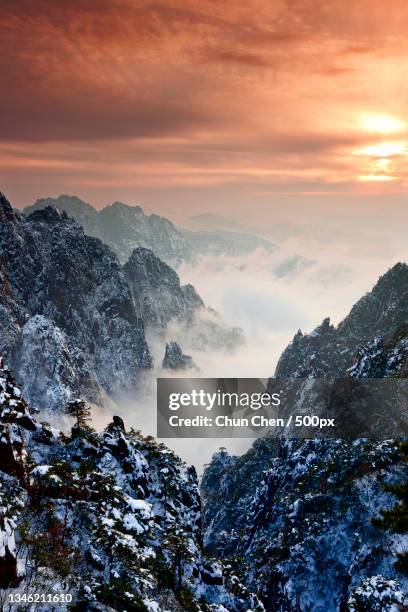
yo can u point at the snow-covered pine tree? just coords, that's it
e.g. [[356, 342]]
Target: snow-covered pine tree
[[78, 409], [395, 519]]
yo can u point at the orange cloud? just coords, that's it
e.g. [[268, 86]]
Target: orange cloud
[[248, 97]]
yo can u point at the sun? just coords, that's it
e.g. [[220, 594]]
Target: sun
[[382, 124], [384, 149]]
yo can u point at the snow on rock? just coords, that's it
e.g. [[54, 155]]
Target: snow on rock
[[298, 513], [73, 320], [115, 517], [67, 311], [165, 305], [175, 359], [377, 594]]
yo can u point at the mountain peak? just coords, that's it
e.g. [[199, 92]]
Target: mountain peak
[[6, 212], [398, 273], [175, 359], [49, 214], [325, 327], [121, 205], [71, 204]]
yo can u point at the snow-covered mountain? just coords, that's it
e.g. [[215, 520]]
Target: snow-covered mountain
[[68, 322], [157, 291], [111, 519], [165, 304], [379, 319], [72, 321], [296, 514]]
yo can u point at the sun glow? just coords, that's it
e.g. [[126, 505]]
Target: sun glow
[[382, 160], [384, 149], [382, 124], [365, 178], [383, 164]]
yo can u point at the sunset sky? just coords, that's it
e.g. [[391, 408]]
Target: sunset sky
[[205, 105]]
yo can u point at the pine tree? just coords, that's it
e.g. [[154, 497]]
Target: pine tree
[[82, 413], [175, 542], [395, 519]]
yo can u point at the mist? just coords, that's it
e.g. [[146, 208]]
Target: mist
[[269, 296], [249, 293]]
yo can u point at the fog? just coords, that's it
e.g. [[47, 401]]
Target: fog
[[269, 308], [253, 292]]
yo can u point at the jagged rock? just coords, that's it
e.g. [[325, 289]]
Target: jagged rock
[[164, 303], [383, 312], [125, 228], [299, 511], [6, 212], [118, 422], [113, 517], [49, 214], [83, 213], [66, 311], [174, 358], [157, 291]]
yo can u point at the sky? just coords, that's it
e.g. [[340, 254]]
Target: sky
[[266, 109]]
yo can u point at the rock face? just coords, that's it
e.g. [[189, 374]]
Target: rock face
[[157, 291], [166, 305], [72, 320], [380, 316], [112, 518], [299, 512], [174, 358], [66, 310]]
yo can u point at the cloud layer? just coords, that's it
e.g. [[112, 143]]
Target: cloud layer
[[202, 101]]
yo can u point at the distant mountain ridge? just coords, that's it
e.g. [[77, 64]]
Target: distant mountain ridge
[[125, 228], [226, 242], [211, 221]]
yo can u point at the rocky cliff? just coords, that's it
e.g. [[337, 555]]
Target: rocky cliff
[[112, 519], [168, 307], [68, 321], [296, 515], [379, 317], [73, 320]]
